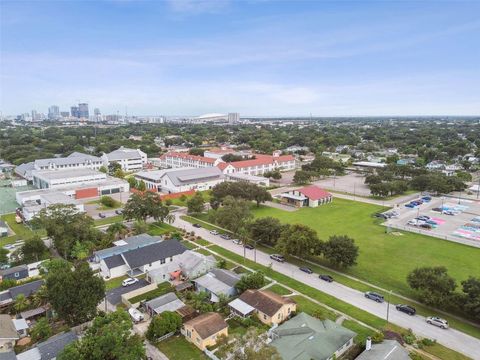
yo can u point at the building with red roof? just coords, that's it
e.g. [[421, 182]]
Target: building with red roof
[[176, 160], [311, 196], [259, 165]]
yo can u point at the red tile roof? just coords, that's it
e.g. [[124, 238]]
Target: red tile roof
[[314, 192], [188, 157], [222, 165]]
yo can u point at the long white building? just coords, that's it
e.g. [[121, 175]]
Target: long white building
[[129, 159], [176, 160]]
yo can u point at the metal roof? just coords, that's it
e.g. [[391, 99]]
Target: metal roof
[[132, 242], [194, 175], [241, 306], [167, 302]]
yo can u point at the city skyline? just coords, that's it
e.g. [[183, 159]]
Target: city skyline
[[255, 58]]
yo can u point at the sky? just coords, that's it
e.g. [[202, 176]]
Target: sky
[[258, 58]]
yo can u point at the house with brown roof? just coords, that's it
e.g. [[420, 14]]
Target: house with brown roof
[[270, 308], [308, 196], [8, 333], [204, 330]]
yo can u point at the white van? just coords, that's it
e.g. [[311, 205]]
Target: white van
[[136, 315]]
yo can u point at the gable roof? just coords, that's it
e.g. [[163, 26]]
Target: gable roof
[[153, 252], [313, 192], [27, 289], [226, 276], [386, 350], [123, 153], [304, 337], [193, 175], [7, 328], [265, 301], [218, 281], [132, 242], [207, 324], [74, 158], [13, 270], [114, 261], [167, 302]]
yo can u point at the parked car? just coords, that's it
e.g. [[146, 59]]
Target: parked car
[[197, 225], [225, 236], [411, 206], [119, 211], [374, 296], [426, 198], [326, 278], [9, 247], [306, 270], [437, 209], [214, 232], [136, 315], [448, 212], [423, 217], [381, 216], [236, 241], [426, 226], [434, 320], [406, 309], [431, 222], [129, 281], [249, 247], [102, 215], [277, 257]]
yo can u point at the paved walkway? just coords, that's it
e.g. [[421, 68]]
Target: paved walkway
[[451, 338], [280, 206]]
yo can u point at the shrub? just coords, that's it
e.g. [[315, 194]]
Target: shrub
[[377, 337], [107, 201]]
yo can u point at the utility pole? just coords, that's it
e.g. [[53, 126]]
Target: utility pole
[[388, 304]]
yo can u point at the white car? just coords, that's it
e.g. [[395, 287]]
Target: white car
[[9, 247], [236, 241], [129, 281], [214, 232], [434, 320], [136, 315]]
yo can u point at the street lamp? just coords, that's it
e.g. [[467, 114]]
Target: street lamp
[[388, 304]]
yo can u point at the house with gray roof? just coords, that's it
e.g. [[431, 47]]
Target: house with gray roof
[[129, 159], [27, 289], [14, 273], [386, 350], [199, 179], [304, 337], [142, 259], [129, 243], [218, 282], [167, 302], [49, 349]]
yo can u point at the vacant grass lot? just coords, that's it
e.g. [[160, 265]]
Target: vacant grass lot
[[162, 289], [385, 259], [22, 232], [177, 348]]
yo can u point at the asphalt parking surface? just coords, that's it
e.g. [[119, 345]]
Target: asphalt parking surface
[[114, 296]]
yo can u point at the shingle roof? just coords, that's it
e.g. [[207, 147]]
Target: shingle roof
[[7, 328], [51, 348], [207, 324], [386, 350], [8, 356], [218, 281], [265, 301], [13, 270], [226, 276], [314, 192], [114, 261], [132, 243], [27, 289], [154, 252], [167, 302], [304, 337]]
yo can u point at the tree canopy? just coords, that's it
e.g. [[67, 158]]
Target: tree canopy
[[340, 250], [140, 206], [299, 240]]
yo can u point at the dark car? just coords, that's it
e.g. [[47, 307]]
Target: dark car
[[426, 226], [277, 257], [426, 198], [381, 216], [103, 216], [119, 211], [374, 296], [326, 278], [306, 270], [410, 205], [249, 247], [406, 309], [437, 209], [197, 225], [225, 236]]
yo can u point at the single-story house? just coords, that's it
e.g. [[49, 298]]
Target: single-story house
[[188, 265], [27, 289], [218, 282], [270, 308], [3, 228], [198, 179], [386, 350], [167, 302], [304, 337], [8, 333], [240, 308], [141, 260], [49, 349], [15, 273], [21, 326], [124, 245], [311, 196], [205, 329]]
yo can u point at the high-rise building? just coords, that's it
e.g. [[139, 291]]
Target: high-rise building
[[64, 114], [74, 111], [83, 110], [96, 112], [53, 112], [233, 118]]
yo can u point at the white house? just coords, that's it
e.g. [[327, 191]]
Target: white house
[[179, 180], [141, 260], [217, 282], [177, 160], [259, 165], [129, 159]]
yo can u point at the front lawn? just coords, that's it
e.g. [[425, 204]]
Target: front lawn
[[115, 282], [177, 348], [21, 231], [108, 220], [159, 228]]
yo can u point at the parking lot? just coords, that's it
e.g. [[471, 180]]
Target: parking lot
[[459, 221]]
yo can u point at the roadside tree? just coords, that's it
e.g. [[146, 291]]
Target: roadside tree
[[341, 251]]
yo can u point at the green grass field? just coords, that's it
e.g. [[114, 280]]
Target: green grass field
[[177, 348], [22, 232], [385, 259]]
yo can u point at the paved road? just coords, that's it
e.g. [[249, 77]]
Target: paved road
[[114, 296], [451, 338]]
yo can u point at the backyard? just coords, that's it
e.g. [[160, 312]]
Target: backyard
[[177, 348]]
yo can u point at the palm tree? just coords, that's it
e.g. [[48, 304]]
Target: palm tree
[[21, 303], [118, 230], [170, 218]]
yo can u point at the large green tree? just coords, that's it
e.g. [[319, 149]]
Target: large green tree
[[471, 300], [162, 324], [34, 249], [254, 280], [340, 250], [299, 240], [109, 338], [234, 214], [434, 285], [196, 203], [140, 206], [267, 230], [74, 294]]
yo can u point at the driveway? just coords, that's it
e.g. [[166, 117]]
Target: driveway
[[451, 338], [114, 296], [153, 352]]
